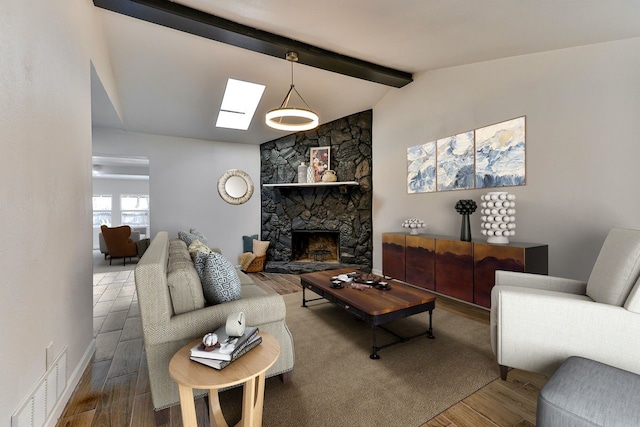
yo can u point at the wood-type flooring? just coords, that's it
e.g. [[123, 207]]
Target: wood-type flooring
[[114, 389]]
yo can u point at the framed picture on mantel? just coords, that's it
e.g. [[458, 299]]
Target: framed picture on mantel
[[320, 161]]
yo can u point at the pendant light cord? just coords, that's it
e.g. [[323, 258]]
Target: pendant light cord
[[292, 88]]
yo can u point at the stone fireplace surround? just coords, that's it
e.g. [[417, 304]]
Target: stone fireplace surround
[[344, 211]]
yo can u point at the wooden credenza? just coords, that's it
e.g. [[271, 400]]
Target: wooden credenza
[[462, 270]]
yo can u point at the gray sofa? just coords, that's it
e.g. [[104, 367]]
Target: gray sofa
[[173, 312]]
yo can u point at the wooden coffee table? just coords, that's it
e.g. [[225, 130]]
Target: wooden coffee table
[[248, 370], [372, 305]]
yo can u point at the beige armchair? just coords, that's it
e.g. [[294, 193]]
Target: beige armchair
[[538, 321]]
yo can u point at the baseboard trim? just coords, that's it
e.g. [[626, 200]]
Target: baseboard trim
[[73, 381]]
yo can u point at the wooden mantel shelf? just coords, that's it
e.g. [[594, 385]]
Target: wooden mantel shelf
[[313, 184]]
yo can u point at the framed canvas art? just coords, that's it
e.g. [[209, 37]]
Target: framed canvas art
[[320, 161], [500, 154], [455, 162], [421, 168]]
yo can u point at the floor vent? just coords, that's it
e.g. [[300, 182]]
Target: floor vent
[[39, 405]]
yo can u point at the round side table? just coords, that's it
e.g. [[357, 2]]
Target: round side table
[[249, 370]]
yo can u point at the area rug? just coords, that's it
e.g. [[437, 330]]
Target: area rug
[[335, 383]]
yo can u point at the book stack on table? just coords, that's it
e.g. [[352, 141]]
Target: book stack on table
[[228, 348]]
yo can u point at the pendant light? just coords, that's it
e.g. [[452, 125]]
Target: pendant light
[[291, 118]]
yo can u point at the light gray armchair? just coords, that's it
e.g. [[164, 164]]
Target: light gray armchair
[[538, 321]]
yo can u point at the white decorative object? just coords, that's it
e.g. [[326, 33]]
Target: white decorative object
[[329, 176], [235, 324], [414, 224], [302, 173], [209, 340], [311, 175], [498, 216]]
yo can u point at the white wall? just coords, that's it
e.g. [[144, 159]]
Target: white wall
[[183, 179], [45, 188], [582, 109], [116, 188]]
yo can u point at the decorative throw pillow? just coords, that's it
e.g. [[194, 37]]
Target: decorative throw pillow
[[247, 243], [260, 247], [198, 246], [219, 278], [200, 236], [187, 237]]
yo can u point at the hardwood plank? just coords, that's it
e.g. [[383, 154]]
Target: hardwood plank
[[462, 415], [79, 420], [510, 399], [488, 408], [438, 421], [538, 380], [115, 407], [126, 359], [143, 414], [88, 392]]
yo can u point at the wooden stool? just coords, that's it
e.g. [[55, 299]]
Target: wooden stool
[[249, 370]]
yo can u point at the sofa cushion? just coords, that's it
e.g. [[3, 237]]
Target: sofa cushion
[[219, 278], [260, 247], [252, 291], [177, 244], [187, 237], [247, 243], [201, 237], [198, 246], [185, 289], [617, 267]]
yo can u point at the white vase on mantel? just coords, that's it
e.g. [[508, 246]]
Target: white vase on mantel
[[311, 175], [498, 216]]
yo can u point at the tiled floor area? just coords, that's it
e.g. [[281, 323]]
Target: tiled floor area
[[116, 317]]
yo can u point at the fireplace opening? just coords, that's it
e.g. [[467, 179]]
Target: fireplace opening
[[315, 246]]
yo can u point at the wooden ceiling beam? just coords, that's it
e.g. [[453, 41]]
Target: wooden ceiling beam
[[196, 22]]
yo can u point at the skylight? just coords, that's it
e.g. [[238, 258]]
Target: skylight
[[239, 104]]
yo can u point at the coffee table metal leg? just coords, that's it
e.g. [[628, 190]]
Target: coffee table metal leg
[[215, 412], [374, 347], [304, 301], [430, 330], [187, 406]]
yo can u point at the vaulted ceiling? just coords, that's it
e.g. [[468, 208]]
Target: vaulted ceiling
[[171, 82]]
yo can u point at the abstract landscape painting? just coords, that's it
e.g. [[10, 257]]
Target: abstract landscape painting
[[421, 168], [500, 154], [455, 169]]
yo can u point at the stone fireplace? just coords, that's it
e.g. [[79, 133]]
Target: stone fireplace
[[302, 223]]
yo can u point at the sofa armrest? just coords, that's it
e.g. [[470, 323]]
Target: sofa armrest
[[540, 281], [537, 329], [258, 311]]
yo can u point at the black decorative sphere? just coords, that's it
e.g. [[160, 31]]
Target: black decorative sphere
[[466, 206]]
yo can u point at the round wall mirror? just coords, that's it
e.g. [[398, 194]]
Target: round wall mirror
[[235, 187]]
